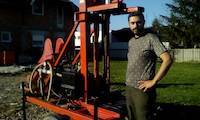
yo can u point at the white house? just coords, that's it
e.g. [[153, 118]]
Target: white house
[[118, 50], [118, 42], [78, 42]]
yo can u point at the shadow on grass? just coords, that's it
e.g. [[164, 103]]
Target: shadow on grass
[[173, 84], [158, 86], [170, 111], [118, 83], [177, 112]]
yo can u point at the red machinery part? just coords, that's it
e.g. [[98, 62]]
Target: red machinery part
[[80, 114], [87, 10]]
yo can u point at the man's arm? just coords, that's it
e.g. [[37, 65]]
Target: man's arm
[[166, 63]]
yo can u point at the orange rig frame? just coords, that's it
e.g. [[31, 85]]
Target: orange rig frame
[[91, 14]]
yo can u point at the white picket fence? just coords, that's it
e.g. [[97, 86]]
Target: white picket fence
[[186, 55]]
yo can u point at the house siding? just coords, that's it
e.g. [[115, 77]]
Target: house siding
[[17, 18]]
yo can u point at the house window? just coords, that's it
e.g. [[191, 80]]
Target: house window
[[37, 7], [38, 38], [60, 17], [6, 37]]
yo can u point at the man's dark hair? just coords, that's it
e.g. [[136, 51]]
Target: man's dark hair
[[140, 14]]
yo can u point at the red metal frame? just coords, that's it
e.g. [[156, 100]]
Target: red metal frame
[[74, 115], [86, 10], [66, 44], [103, 7]]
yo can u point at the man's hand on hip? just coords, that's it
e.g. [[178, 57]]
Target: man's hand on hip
[[146, 84]]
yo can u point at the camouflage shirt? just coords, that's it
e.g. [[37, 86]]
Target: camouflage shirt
[[142, 56]]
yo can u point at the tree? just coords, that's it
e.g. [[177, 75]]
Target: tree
[[156, 25], [183, 27]]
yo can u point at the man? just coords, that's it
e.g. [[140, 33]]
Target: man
[[141, 80]]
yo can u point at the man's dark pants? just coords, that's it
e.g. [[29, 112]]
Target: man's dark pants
[[140, 104]]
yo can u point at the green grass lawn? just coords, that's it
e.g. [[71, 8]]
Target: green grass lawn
[[178, 93], [180, 86]]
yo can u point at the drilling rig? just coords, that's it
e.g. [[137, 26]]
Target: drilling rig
[[70, 88]]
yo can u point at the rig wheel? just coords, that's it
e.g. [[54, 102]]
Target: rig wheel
[[40, 81]]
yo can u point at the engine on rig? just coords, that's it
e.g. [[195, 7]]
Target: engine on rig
[[67, 83]]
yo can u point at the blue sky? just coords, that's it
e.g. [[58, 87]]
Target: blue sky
[[153, 9]]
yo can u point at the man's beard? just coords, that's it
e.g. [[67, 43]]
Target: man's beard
[[138, 31]]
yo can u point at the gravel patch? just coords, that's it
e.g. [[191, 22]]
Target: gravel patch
[[11, 98]]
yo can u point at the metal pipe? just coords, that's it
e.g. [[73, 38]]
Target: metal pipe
[[95, 108], [66, 44], [23, 101]]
